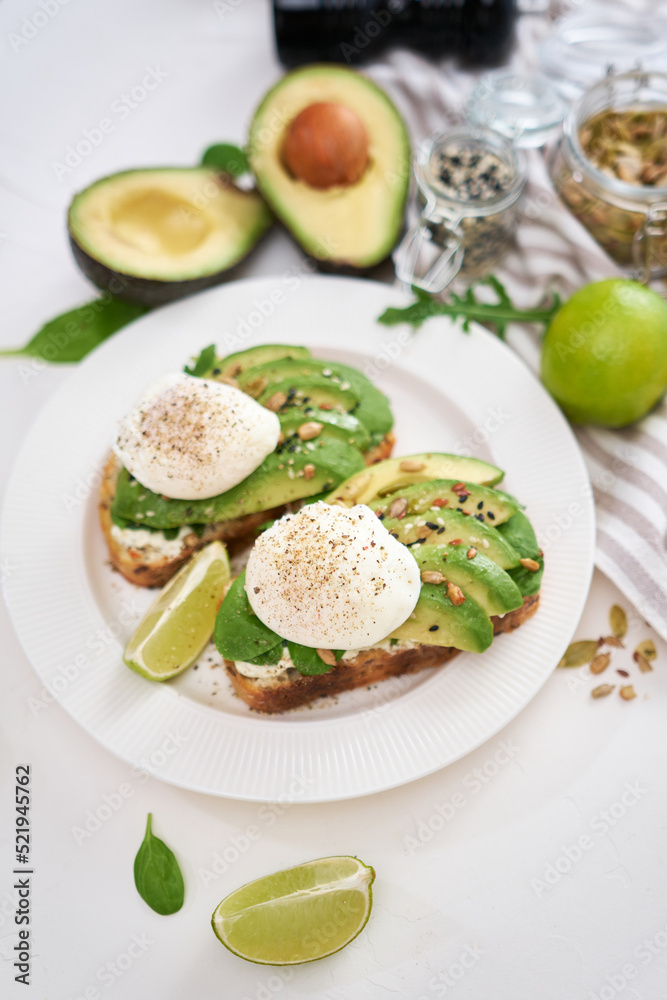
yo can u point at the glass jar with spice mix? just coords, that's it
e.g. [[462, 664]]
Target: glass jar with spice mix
[[469, 183], [611, 168]]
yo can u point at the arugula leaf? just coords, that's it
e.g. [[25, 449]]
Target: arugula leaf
[[227, 158], [157, 876], [74, 334], [467, 307], [203, 364]]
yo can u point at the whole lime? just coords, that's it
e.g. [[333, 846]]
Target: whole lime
[[604, 356]]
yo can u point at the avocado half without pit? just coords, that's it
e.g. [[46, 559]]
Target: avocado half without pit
[[331, 155], [155, 235]]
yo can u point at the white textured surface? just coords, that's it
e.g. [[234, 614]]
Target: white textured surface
[[462, 888], [444, 713]]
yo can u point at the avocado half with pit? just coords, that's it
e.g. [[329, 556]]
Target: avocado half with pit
[[155, 235], [331, 155]]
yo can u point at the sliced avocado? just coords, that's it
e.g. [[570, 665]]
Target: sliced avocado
[[155, 235], [430, 498], [396, 473], [372, 409], [519, 532], [342, 425], [280, 479], [351, 225], [479, 577], [452, 528], [233, 365], [318, 391], [437, 622]]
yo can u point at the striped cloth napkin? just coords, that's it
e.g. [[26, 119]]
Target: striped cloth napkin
[[628, 468]]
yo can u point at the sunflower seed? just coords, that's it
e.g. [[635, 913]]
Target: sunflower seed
[[327, 655], [309, 430], [398, 507], [600, 663], [611, 640]]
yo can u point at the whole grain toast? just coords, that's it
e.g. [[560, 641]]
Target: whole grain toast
[[292, 689], [146, 566]]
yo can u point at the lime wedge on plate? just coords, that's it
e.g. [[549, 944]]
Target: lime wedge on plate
[[297, 915], [177, 626]]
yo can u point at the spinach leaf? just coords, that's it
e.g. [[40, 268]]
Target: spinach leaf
[[203, 364], [227, 158], [239, 634], [157, 875], [308, 661], [74, 334]]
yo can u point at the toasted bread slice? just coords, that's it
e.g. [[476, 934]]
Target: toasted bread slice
[[148, 564], [292, 689]]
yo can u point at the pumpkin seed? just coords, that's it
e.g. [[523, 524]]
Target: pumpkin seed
[[642, 662], [618, 621], [579, 653], [647, 649]]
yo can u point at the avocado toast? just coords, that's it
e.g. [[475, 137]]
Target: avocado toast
[[332, 421], [472, 550]]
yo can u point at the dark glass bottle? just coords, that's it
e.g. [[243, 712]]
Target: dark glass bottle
[[352, 31]]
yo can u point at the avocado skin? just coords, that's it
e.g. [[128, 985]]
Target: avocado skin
[[480, 577], [384, 479], [267, 487], [372, 407], [457, 526], [144, 291], [465, 626], [151, 291], [233, 365], [495, 507], [325, 260]]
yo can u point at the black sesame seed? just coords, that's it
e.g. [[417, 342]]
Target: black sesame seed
[[418, 541], [479, 517], [380, 517], [490, 515], [434, 628], [216, 371], [432, 526], [440, 530], [480, 505]]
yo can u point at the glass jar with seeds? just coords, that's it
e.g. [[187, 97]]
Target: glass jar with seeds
[[469, 184], [611, 168]]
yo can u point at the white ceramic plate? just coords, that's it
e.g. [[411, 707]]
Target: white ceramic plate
[[450, 392]]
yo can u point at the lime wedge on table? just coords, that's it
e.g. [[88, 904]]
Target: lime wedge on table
[[177, 626], [297, 915]]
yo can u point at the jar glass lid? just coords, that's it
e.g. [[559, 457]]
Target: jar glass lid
[[526, 108], [587, 44]]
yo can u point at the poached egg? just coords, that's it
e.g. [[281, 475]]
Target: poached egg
[[191, 438], [331, 577]]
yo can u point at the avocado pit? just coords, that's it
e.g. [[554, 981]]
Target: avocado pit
[[326, 145]]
